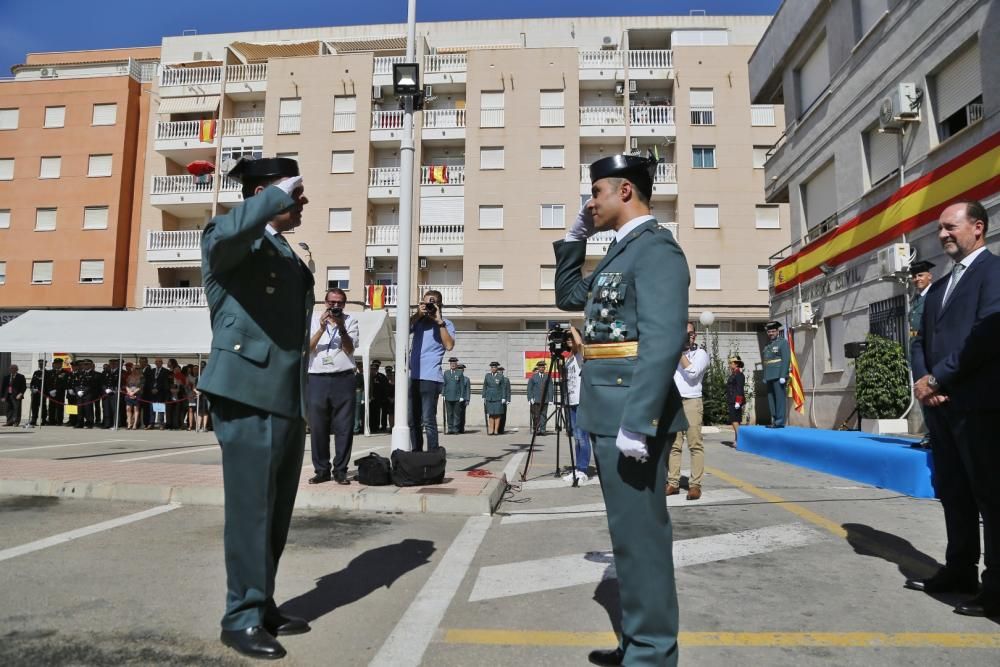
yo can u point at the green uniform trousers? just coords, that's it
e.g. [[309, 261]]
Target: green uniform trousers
[[777, 394], [642, 539], [261, 466]]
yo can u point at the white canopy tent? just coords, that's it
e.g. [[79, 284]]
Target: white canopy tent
[[156, 332]]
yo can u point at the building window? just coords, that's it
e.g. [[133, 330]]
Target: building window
[[45, 219], [99, 165], [766, 216], [49, 167], [762, 115], [813, 77], [867, 13], [553, 157], [706, 216], [95, 217], [9, 119], [703, 157], [289, 115], [553, 216], [290, 156], [234, 153], [342, 163], [553, 112], [491, 157], [491, 108], [92, 271], [702, 106], [548, 277], [3, 273], [105, 114], [6, 169], [958, 93], [338, 276], [833, 328], [819, 200], [345, 113], [55, 117], [881, 155], [708, 277], [340, 220], [760, 156], [490, 277], [4, 218], [41, 273], [763, 278], [491, 217]]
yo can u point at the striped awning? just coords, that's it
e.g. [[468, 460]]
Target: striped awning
[[200, 104], [256, 53], [397, 43], [442, 50]]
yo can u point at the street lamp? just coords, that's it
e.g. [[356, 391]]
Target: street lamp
[[405, 79]]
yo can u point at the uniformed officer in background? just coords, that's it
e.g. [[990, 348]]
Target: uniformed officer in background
[[921, 278], [453, 395], [636, 305], [111, 385], [85, 389], [37, 400], [506, 399], [466, 395], [72, 393], [777, 361], [55, 390]]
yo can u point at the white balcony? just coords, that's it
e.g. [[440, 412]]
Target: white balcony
[[382, 71], [702, 115], [441, 241], [186, 81], [243, 127], [552, 117], [387, 126], [175, 246], [652, 121], [246, 82], [598, 244], [762, 115], [230, 191], [451, 294], [383, 184], [382, 241], [446, 180], [444, 69], [600, 122], [647, 64], [345, 121], [176, 140], [174, 297], [290, 124], [178, 193], [602, 65], [491, 117], [443, 124]]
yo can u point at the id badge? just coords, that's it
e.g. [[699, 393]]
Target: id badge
[[328, 360]]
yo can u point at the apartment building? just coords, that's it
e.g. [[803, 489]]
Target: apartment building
[[891, 111], [515, 111], [72, 136]]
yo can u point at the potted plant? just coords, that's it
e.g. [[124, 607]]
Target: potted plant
[[882, 386]]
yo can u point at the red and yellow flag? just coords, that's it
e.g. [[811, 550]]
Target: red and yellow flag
[[795, 391], [207, 131], [439, 174], [376, 296]]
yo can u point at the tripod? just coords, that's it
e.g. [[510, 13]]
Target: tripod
[[557, 366]]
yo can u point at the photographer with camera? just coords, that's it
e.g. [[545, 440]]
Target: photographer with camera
[[691, 369], [432, 337], [331, 394], [581, 439]]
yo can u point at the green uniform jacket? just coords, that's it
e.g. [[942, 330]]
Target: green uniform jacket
[[916, 314], [776, 358], [535, 383], [493, 387], [505, 381], [260, 298], [638, 292], [456, 386]]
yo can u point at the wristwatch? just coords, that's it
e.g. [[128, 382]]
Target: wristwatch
[[932, 382]]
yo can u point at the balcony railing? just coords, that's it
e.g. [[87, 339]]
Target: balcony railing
[[444, 118], [246, 73], [230, 185], [652, 115], [383, 64], [702, 115], [444, 175], [243, 127], [450, 294], [762, 115], [601, 59], [344, 121], [180, 129], [185, 239], [600, 238], [552, 117], [383, 235], [444, 234], [174, 297], [383, 177], [387, 120], [289, 124], [181, 185], [651, 59], [451, 62], [491, 117], [614, 115], [666, 172], [973, 113], [190, 76]]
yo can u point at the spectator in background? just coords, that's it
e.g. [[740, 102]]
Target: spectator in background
[[37, 401], [433, 335], [134, 382], [690, 371], [389, 413], [377, 388], [574, 367], [359, 398], [736, 394], [14, 386]]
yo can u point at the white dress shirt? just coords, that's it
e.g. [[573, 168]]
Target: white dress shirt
[[329, 357], [688, 380], [623, 231]]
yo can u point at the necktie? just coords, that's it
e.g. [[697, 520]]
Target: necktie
[[956, 274]]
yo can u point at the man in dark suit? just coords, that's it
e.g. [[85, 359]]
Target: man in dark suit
[[260, 298], [956, 365], [636, 306], [13, 388]]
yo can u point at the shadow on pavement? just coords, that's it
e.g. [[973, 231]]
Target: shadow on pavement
[[368, 572], [606, 595]]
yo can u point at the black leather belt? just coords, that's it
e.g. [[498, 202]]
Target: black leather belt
[[333, 375]]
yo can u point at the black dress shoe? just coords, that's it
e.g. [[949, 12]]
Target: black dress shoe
[[607, 656], [341, 478], [946, 581], [319, 478], [255, 642], [280, 626], [984, 604]]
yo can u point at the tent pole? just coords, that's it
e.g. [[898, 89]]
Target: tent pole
[[118, 391], [42, 400], [365, 361], [197, 399]]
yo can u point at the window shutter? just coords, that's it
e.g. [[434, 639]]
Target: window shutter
[[95, 217], [5, 218], [958, 83], [553, 157], [490, 277], [819, 196], [41, 272], [3, 273], [99, 165], [340, 220], [706, 216], [50, 167], [6, 169], [105, 114], [702, 97], [55, 116], [814, 76], [92, 271], [343, 162], [708, 277], [338, 276], [345, 104], [491, 157], [767, 217], [442, 210], [491, 217], [883, 155], [290, 107], [552, 99], [492, 100], [45, 219], [9, 119]]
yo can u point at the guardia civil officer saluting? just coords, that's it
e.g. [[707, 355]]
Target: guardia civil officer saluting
[[260, 298], [777, 359], [635, 305]]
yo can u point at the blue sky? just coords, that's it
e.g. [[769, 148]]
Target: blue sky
[[61, 25]]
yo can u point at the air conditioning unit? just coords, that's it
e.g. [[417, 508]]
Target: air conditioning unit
[[900, 106], [422, 263], [376, 93], [802, 314], [619, 89], [633, 87], [369, 263], [633, 143], [893, 259], [47, 72]]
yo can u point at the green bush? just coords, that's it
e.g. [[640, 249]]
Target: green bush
[[882, 379], [713, 385]]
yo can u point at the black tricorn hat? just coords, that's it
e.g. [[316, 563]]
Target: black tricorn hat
[[450, 359], [637, 168], [773, 324], [264, 168], [922, 266], [494, 363]]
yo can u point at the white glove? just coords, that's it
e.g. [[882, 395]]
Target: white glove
[[107, 391], [583, 226], [632, 444], [781, 380], [531, 401], [504, 401], [461, 400], [52, 393], [289, 184], [80, 392]]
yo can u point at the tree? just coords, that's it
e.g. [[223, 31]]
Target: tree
[[713, 385], [882, 379]]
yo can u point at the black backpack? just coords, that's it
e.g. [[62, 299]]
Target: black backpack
[[418, 468], [374, 470]]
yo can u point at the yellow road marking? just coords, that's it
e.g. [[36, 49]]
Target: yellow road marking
[[733, 639]]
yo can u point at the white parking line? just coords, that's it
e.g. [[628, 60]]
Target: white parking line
[[409, 639], [159, 456], [70, 444], [47, 542]]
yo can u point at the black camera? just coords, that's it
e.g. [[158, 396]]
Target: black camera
[[431, 308], [336, 312], [558, 338]]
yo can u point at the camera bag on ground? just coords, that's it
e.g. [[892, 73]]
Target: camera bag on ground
[[418, 468], [374, 470]]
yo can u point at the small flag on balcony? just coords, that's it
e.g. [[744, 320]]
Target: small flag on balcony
[[439, 174], [207, 131], [376, 296]]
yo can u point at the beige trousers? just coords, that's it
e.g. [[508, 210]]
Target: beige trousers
[[694, 412]]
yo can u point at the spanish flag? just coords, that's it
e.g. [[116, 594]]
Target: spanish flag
[[795, 391], [439, 174], [207, 131], [376, 296]]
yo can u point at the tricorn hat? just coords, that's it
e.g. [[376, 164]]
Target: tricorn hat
[[263, 169], [637, 168], [773, 324], [923, 266]]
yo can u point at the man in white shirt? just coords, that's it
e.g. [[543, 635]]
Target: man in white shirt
[[690, 371], [330, 394]]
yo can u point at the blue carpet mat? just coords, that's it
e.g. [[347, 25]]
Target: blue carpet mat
[[879, 460]]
